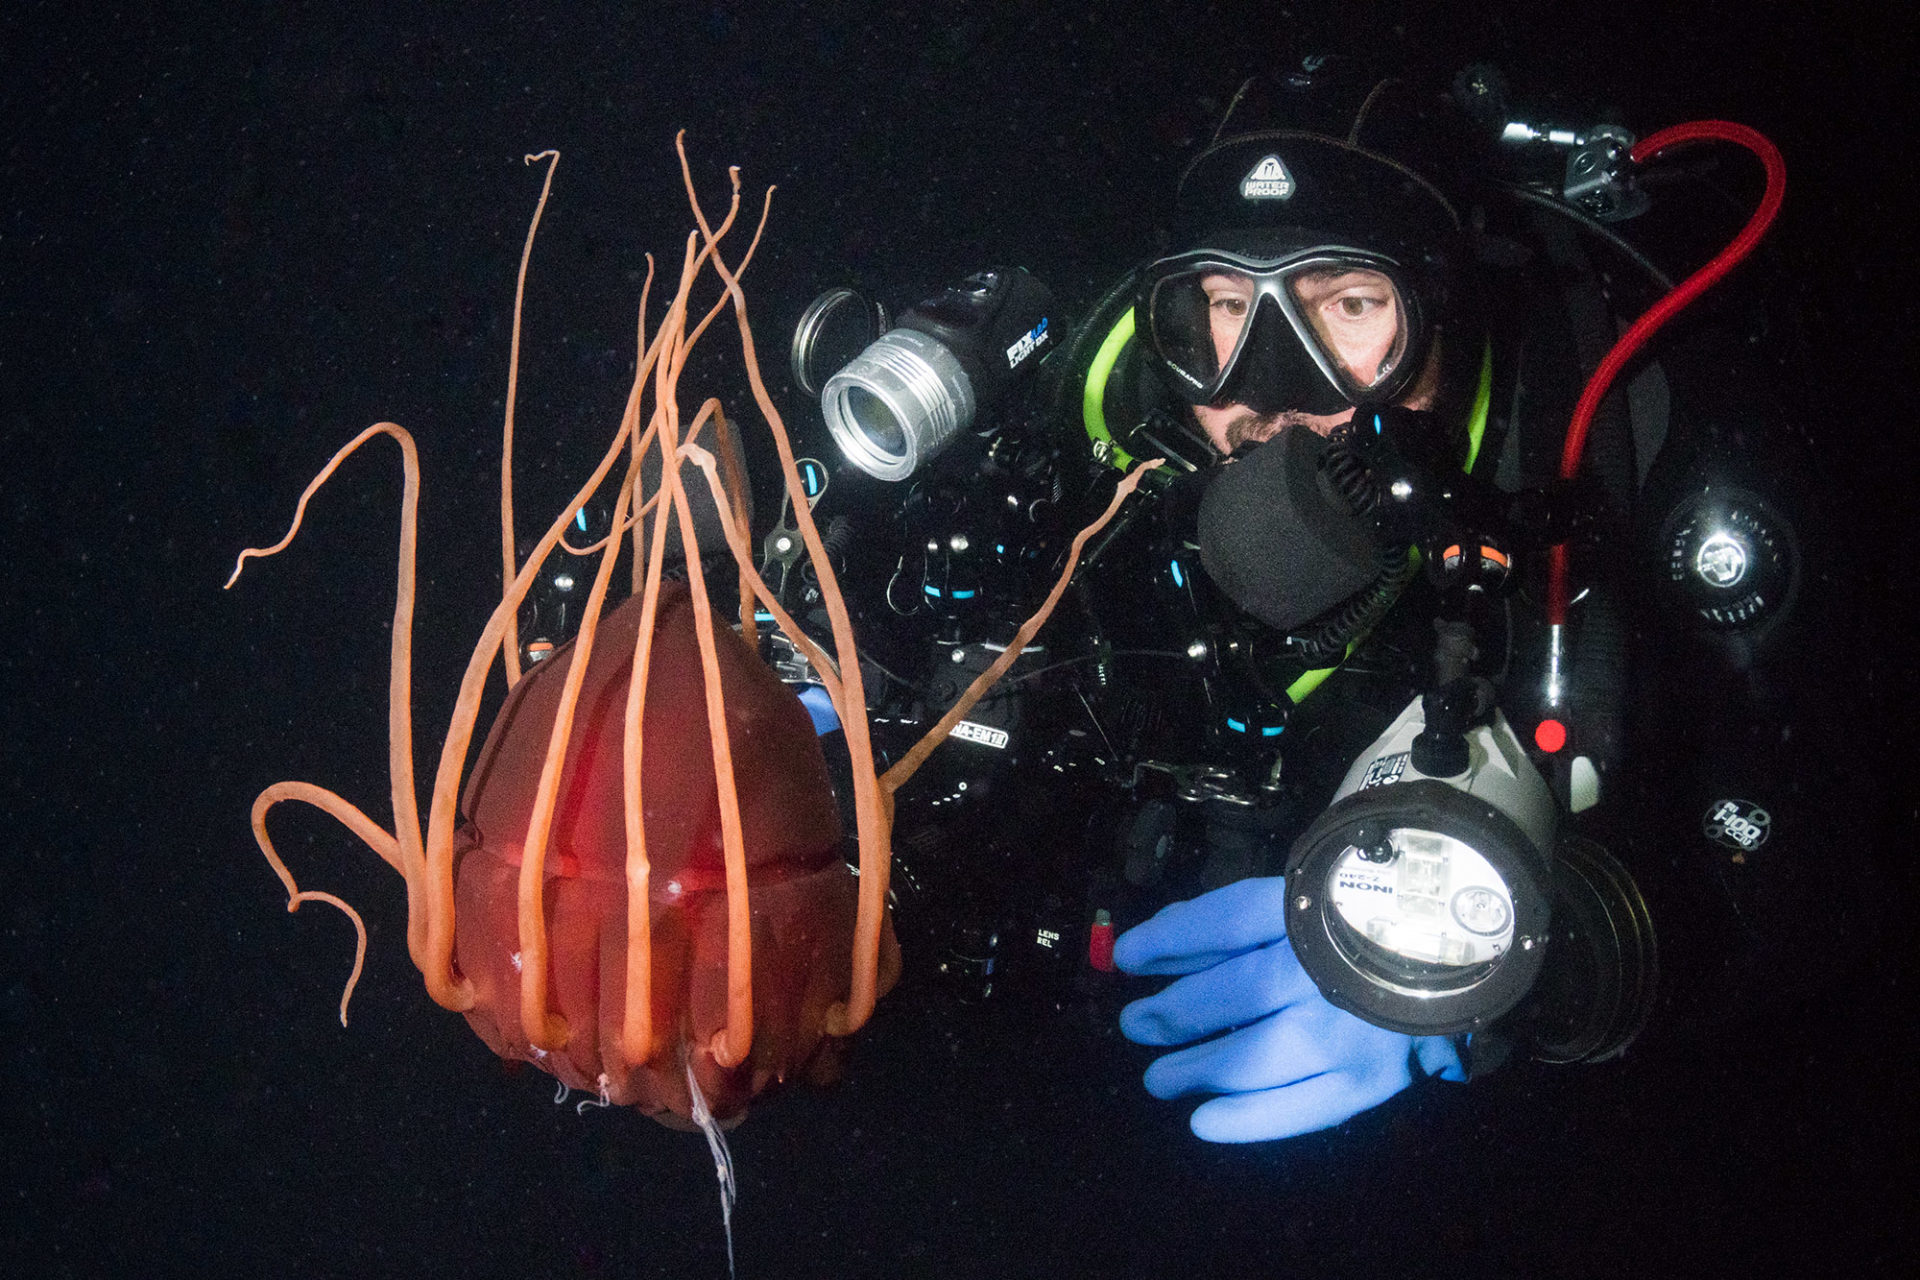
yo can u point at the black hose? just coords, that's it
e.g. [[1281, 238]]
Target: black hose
[[1325, 640], [1592, 226]]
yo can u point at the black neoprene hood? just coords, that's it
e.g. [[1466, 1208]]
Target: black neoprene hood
[[1332, 189]]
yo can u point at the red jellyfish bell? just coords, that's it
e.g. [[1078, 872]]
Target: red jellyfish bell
[[802, 894]]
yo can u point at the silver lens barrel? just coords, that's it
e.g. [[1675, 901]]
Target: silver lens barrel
[[897, 404]]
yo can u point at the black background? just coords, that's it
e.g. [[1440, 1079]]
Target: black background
[[233, 235]]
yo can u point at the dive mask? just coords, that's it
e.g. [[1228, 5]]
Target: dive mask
[[1317, 329]]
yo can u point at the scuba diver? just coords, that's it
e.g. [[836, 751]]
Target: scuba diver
[[1452, 690], [1311, 277]]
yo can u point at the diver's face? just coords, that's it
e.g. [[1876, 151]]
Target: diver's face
[[1355, 316]]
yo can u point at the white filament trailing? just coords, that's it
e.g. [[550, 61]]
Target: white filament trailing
[[722, 1158]]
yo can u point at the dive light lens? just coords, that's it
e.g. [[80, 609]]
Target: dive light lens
[[1419, 907], [876, 421], [897, 404], [1437, 902], [1733, 559]]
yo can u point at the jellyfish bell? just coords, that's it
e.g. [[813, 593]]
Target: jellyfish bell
[[803, 895]]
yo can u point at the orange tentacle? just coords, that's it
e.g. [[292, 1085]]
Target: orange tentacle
[[897, 776], [730, 1045], [355, 821], [510, 647], [546, 1030], [406, 804], [636, 1019], [850, 1015], [730, 525]]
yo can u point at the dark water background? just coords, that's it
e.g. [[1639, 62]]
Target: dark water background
[[231, 236]]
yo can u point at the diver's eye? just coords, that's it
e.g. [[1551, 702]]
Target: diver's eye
[[1357, 307], [1230, 305]]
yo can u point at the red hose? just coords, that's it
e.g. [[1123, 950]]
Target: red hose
[[1664, 310]]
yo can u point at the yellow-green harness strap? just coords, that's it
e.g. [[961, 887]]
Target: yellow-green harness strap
[[1093, 398]]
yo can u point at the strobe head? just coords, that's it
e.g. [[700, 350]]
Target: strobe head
[[1422, 903], [1732, 559], [1419, 908]]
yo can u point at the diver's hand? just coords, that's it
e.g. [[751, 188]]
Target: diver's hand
[[1295, 1063]]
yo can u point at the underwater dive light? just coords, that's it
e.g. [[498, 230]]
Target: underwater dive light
[[1420, 899], [915, 387], [1424, 898]]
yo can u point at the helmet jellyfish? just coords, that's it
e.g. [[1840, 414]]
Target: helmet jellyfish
[[641, 889]]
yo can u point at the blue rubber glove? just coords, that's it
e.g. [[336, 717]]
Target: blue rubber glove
[[1295, 1063]]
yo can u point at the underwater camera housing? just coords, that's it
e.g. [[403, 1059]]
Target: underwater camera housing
[[913, 388]]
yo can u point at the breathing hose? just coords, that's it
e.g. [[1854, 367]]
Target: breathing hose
[[1637, 336], [1643, 329]]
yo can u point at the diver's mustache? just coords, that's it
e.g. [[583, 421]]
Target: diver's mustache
[[1255, 428]]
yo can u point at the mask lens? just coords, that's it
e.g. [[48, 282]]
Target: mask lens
[[1196, 328], [1356, 318], [1230, 299]]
